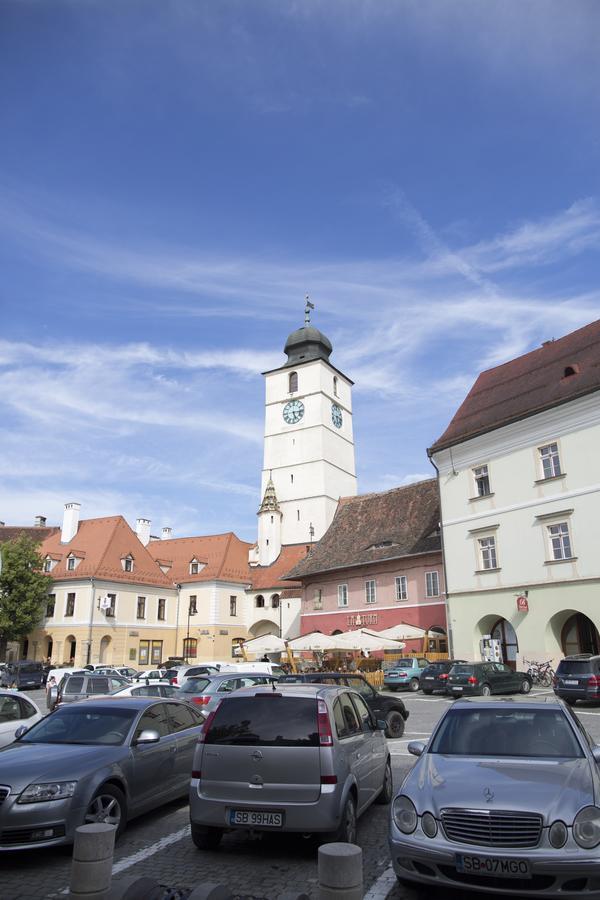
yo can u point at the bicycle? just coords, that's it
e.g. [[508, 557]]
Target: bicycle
[[541, 674]]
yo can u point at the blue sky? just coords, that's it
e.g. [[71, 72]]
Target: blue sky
[[176, 175]]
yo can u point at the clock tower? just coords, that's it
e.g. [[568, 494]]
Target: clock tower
[[309, 447]]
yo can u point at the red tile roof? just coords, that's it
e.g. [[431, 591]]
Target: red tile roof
[[266, 577], [527, 385], [225, 557], [102, 543], [375, 527], [37, 532]]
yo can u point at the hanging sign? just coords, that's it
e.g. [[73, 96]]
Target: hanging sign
[[522, 604]]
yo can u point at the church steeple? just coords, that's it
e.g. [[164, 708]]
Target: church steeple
[[270, 502], [269, 526]]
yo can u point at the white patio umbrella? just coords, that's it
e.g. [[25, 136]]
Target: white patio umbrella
[[317, 641], [360, 639], [268, 643], [402, 632]]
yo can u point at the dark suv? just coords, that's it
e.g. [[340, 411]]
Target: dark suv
[[578, 678], [435, 676], [389, 709], [22, 674]]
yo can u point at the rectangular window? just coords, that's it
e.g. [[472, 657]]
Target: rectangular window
[[144, 654], [370, 591], [550, 461], [401, 587], [110, 611], [432, 583], [487, 552], [482, 481], [50, 604], [141, 607], [318, 599], [560, 542], [194, 568], [342, 595], [190, 648], [156, 652], [193, 607], [161, 609], [47, 565], [128, 564], [233, 606], [71, 564], [70, 607]]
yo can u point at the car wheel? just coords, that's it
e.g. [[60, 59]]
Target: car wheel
[[394, 724], [414, 684], [107, 805], [207, 838], [485, 690], [346, 831], [525, 686], [388, 786]]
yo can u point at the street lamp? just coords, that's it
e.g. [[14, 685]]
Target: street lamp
[[191, 612]]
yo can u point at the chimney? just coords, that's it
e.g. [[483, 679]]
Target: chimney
[[40, 521], [167, 534], [70, 522], [142, 529]]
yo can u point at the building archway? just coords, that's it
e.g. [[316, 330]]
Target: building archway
[[504, 632], [485, 626], [337, 631], [70, 648], [105, 649], [25, 650], [579, 635], [49, 648], [262, 628]]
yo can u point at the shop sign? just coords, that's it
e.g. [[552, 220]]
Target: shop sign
[[134, 634], [359, 621], [522, 604]]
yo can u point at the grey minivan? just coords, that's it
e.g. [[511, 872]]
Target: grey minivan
[[303, 758]]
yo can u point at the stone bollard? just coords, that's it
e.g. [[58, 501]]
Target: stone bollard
[[340, 872], [91, 869]]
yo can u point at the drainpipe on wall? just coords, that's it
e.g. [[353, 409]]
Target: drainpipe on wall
[[89, 648], [446, 591], [178, 586]]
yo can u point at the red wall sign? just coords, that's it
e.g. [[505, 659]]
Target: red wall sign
[[522, 603]]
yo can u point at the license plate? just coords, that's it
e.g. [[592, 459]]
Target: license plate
[[255, 818], [456, 688], [429, 678], [575, 683], [488, 865]]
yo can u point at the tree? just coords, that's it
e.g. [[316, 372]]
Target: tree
[[23, 590]]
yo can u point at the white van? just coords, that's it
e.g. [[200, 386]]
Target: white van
[[269, 668]]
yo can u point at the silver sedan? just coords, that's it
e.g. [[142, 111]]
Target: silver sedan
[[505, 798], [102, 760]]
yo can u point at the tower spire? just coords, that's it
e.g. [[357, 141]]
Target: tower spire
[[307, 310]]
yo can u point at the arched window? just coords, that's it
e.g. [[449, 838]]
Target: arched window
[[335, 391], [293, 382], [260, 601], [275, 601], [190, 648]]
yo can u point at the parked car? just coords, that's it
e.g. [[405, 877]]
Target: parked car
[[404, 673], [101, 760], [152, 689], [77, 687], [178, 674], [486, 678], [389, 709], [578, 678], [15, 710], [206, 691], [308, 758], [23, 674], [266, 668], [434, 676], [504, 796], [152, 675]]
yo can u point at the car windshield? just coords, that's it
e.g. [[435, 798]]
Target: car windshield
[[402, 662], [81, 724], [503, 732], [194, 685]]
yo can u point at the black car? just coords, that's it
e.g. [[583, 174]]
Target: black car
[[578, 678], [22, 674], [435, 676], [485, 678], [387, 709]]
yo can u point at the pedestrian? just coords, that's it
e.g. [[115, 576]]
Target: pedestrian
[[265, 658]]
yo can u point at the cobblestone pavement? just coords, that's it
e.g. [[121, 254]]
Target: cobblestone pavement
[[158, 844]]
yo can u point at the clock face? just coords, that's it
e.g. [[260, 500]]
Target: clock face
[[336, 415], [293, 411]]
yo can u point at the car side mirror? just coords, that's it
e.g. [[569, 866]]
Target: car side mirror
[[148, 736], [596, 753], [52, 697], [417, 747], [20, 731]]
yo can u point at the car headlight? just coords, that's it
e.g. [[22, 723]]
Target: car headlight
[[405, 814], [429, 825], [557, 834], [52, 790], [586, 827]]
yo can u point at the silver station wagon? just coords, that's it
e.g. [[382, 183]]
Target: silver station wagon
[[296, 758], [504, 798]]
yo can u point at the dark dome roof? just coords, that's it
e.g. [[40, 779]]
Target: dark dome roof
[[306, 344]]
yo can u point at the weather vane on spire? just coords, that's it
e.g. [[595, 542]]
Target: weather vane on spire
[[307, 310]]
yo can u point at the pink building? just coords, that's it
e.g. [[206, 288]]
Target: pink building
[[379, 564]]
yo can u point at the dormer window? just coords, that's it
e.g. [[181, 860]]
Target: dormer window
[[293, 382], [49, 564], [194, 566], [573, 369], [71, 564], [127, 563]]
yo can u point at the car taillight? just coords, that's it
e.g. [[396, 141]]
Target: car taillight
[[472, 680], [196, 773], [175, 680], [324, 725], [443, 676], [594, 681], [207, 724], [328, 779], [200, 701]]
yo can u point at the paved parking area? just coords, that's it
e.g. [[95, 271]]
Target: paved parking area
[[158, 844]]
